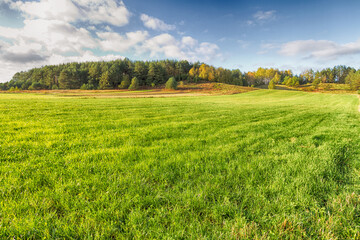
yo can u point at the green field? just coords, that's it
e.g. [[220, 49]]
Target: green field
[[263, 164]]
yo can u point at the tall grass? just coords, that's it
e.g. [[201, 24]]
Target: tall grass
[[264, 164]]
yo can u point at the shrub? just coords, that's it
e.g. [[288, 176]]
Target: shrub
[[153, 84], [316, 83], [14, 89], [84, 87], [125, 83], [134, 84], [327, 87], [181, 84], [271, 84], [252, 85], [55, 87], [171, 84]]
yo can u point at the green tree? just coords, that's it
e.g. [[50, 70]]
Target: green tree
[[171, 84], [316, 83], [35, 86], [125, 83], [64, 79], [353, 79], [271, 84], [134, 84], [105, 80]]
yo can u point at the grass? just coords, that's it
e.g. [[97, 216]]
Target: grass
[[263, 164]]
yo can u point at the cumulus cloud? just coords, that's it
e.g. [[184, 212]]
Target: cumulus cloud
[[155, 23], [112, 41], [104, 11], [188, 48], [49, 9], [52, 35], [188, 41], [94, 11], [319, 49]]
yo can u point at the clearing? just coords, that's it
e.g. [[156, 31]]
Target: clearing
[[270, 164]]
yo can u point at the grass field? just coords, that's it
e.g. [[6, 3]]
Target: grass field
[[263, 164]]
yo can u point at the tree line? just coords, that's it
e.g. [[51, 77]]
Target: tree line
[[124, 73]]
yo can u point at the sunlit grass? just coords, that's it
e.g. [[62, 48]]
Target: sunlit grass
[[259, 164]]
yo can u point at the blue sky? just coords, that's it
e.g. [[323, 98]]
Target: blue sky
[[289, 34]]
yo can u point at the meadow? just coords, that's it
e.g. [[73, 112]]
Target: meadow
[[265, 164]]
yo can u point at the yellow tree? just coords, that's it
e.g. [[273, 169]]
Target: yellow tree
[[193, 72], [203, 72]]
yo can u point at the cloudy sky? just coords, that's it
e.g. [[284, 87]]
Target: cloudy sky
[[285, 34]]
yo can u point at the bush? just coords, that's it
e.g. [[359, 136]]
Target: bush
[[181, 84], [153, 84], [271, 84], [87, 87], [327, 87], [55, 87], [171, 84], [316, 83], [125, 83], [252, 85], [134, 84], [14, 89]]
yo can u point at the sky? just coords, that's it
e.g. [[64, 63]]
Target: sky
[[245, 35]]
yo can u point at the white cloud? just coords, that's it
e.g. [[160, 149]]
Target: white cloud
[[188, 48], [262, 16], [93, 11], [155, 23], [49, 9], [164, 44], [188, 41], [52, 35], [111, 41], [104, 11], [319, 49]]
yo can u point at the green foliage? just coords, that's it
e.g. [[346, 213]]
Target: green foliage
[[14, 89], [35, 86], [316, 83], [87, 87], [134, 84], [259, 165], [125, 83], [327, 87], [171, 84], [75, 75], [55, 87], [272, 85], [353, 79], [105, 81]]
